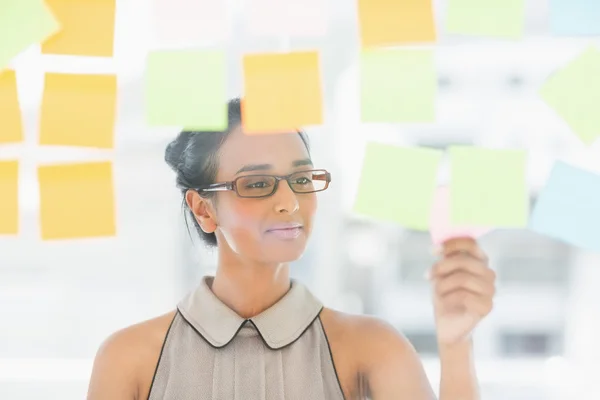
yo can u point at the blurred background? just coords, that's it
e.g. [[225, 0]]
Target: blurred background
[[59, 300]]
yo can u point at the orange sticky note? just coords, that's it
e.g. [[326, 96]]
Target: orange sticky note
[[9, 197], [282, 92], [395, 22], [11, 126], [77, 200], [87, 28], [78, 110]]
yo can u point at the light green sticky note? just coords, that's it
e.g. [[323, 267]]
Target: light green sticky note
[[22, 24], [187, 88], [488, 187], [398, 184], [496, 18], [574, 93], [397, 85]]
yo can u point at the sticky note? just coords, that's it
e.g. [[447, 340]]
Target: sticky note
[[22, 24], [78, 110], [575, 17], [397, 184], [395, 22], [568, 207], [286, 18], [9, 200], [77, 200], [87, 28], [282, 92], [495, 18], [11, 126], [574, 93], [488, 187], [397, 85], [441, 227], [187, 88], [185, 23]]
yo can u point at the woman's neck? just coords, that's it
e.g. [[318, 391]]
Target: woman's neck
[[250, 290]]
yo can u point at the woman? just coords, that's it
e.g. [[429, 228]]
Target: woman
[[250, 332]]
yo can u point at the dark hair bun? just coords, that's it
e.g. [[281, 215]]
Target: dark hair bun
[[175, 151]]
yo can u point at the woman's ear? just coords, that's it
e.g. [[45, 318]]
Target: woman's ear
[[203, 211]]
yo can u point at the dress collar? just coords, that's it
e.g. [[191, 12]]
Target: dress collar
[[280, 325]]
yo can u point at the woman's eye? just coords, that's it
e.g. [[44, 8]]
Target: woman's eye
[[302, 181], [257, 185]]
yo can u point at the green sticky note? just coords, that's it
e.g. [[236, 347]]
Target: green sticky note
[[488, 187], [398, 184], [496, 18], [397, 85], [186, 88], [22, 24], [574, 93]]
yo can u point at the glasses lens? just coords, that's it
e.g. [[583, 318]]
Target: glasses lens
[[255, 186], [309, 181]]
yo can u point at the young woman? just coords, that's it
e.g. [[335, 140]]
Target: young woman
[[252, 333]]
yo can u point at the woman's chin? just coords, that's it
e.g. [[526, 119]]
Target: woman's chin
[[286, 252]]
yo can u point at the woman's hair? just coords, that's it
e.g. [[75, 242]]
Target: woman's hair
[[194, 156]]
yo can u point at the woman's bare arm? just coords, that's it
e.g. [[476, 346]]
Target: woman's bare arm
[[114, 371], [394, 370], [392, 366]]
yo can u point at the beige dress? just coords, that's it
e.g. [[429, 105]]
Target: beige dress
[[211, 353]]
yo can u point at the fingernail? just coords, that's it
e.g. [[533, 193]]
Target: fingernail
[[436, 250], [427, 275]]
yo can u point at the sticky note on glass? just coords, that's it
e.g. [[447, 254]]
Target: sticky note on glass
[[282, 92], [22, 24], [9, 200], [395, 22], [397, 85], [11, 126], [495, 18], [488, 187], [575, 17], [187, 88], [87, 28], [568, 207], [189, 22], [397, 184], [77, 200], [287, 17], [574, 93], [78, 110], [441, 227]]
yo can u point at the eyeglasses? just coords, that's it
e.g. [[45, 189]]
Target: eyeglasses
[[256, 186]]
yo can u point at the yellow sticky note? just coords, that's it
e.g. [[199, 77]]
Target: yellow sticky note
[[78, 110], [9, 197], [11, 126], [395, 22], [77, 200], [88, 28], [282, 92]]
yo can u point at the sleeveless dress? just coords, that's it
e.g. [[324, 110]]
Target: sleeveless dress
[[211, 353]]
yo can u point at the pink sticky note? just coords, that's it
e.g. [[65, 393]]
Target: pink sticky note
[[440, 226], [189, 22], [287, 17]]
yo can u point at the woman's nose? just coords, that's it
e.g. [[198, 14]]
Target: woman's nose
[[285, 198]]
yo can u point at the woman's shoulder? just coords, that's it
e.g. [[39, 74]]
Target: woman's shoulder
[[367, 337], [126, 360]]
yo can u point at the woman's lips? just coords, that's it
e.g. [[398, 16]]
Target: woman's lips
[[286, 233]]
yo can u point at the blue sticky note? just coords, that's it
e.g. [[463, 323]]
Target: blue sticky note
[[575, 17], [568, 207]]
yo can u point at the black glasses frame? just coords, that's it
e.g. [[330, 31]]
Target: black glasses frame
[[232, 185]]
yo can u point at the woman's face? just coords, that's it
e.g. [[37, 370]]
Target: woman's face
[[252, 227]]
